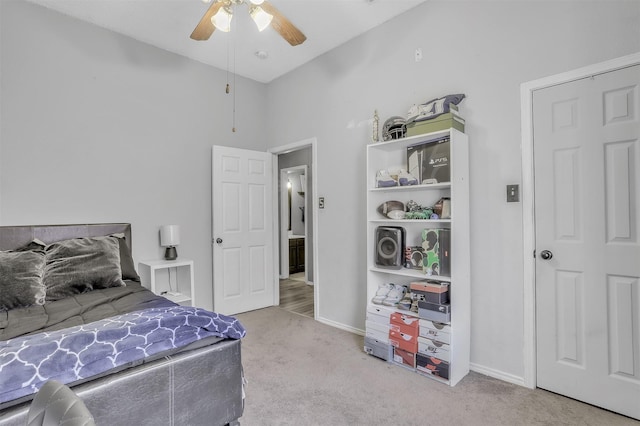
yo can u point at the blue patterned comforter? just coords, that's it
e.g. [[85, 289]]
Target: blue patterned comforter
[[80, 352]]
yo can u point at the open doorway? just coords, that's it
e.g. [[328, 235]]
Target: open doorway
[[293, 226], [297, 289]]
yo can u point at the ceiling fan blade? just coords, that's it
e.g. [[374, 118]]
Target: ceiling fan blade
[[283, 26], [205, 27]]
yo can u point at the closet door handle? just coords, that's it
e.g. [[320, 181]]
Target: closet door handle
[[219, 240]]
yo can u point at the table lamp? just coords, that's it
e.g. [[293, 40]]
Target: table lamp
[[170, 238]]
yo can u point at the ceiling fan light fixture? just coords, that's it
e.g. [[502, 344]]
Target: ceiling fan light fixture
[[222, 19], [257, 2], [260, 17]]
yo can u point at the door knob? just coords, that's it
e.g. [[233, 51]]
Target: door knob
[[546, 254], [219, 240]]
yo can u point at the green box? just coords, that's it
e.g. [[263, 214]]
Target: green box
[[442, 122]]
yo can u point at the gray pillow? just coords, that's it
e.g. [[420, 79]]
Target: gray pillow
[[80, 265], [126, 259], [21, 278]]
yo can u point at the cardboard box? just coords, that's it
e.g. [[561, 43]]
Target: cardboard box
[[413, 256], [434, 348], [449, 120], [404, 358], [432, 365], [377, 331], [436, 243], [379, 314], [435, 331], [405, 341], [429, 162], [433, 286], [402, 323], [378, 348], [431, 315], [431, 291], [437, 307]]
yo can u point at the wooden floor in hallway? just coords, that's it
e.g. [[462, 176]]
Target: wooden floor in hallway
[[296, 295]]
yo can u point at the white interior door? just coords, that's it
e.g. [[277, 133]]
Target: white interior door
[[587, 214], [243, 232]]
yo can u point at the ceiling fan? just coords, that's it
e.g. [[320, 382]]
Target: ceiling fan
[[262, 12]]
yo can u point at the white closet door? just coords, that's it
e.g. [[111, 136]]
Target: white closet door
[[587, 197]]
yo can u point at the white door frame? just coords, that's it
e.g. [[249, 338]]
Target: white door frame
[[528, 201], [312, 142], [284, 236]]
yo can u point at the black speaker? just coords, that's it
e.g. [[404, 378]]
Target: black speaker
[[390, 246]]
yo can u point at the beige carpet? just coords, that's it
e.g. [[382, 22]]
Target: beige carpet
[[302, 372]]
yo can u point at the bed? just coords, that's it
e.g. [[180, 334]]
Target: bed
[[133, 357]]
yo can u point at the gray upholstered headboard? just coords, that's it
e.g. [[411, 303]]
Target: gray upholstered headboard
[[12, 237]]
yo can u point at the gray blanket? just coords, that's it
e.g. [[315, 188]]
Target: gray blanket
[[79, 309]]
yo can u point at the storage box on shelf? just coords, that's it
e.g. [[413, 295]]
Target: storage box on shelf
[[376, 340], [404, 358], [450, 119], [435, 330], [431, 347], [378, 348], [445, 354], [433, 366], [403, 332], [442, 122]]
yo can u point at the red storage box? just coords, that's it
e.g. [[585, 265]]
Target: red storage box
[[404, 358], [405, 341], [406, 324]]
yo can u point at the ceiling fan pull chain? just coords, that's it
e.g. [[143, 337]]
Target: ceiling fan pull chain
[[235, 39]]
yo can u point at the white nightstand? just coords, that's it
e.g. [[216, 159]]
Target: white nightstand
[[172, 279]]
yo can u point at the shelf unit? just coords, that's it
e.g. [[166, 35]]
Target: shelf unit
[[393, 155], [156, 276]]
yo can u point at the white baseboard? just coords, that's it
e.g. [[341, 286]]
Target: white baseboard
[[340, 326], [497, 374]]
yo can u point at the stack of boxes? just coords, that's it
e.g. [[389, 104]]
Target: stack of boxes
[[417, 342], [433, 348], [403, 336], [376, 340], [451, 119], [433, 300]]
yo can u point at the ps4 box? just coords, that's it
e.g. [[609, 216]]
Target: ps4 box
[[429, 162]]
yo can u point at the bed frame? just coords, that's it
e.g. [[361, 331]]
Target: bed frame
[[199, 386]]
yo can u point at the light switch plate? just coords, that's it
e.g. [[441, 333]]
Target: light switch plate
[[513, 193]]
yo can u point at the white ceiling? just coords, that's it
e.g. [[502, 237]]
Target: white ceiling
[[167, 24]]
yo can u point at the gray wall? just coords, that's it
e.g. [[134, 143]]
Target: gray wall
[[93, 124], [485, 50], [97, 127]]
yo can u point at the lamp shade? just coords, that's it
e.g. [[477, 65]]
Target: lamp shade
[[260, 17], [169, 235], [222, 19]]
